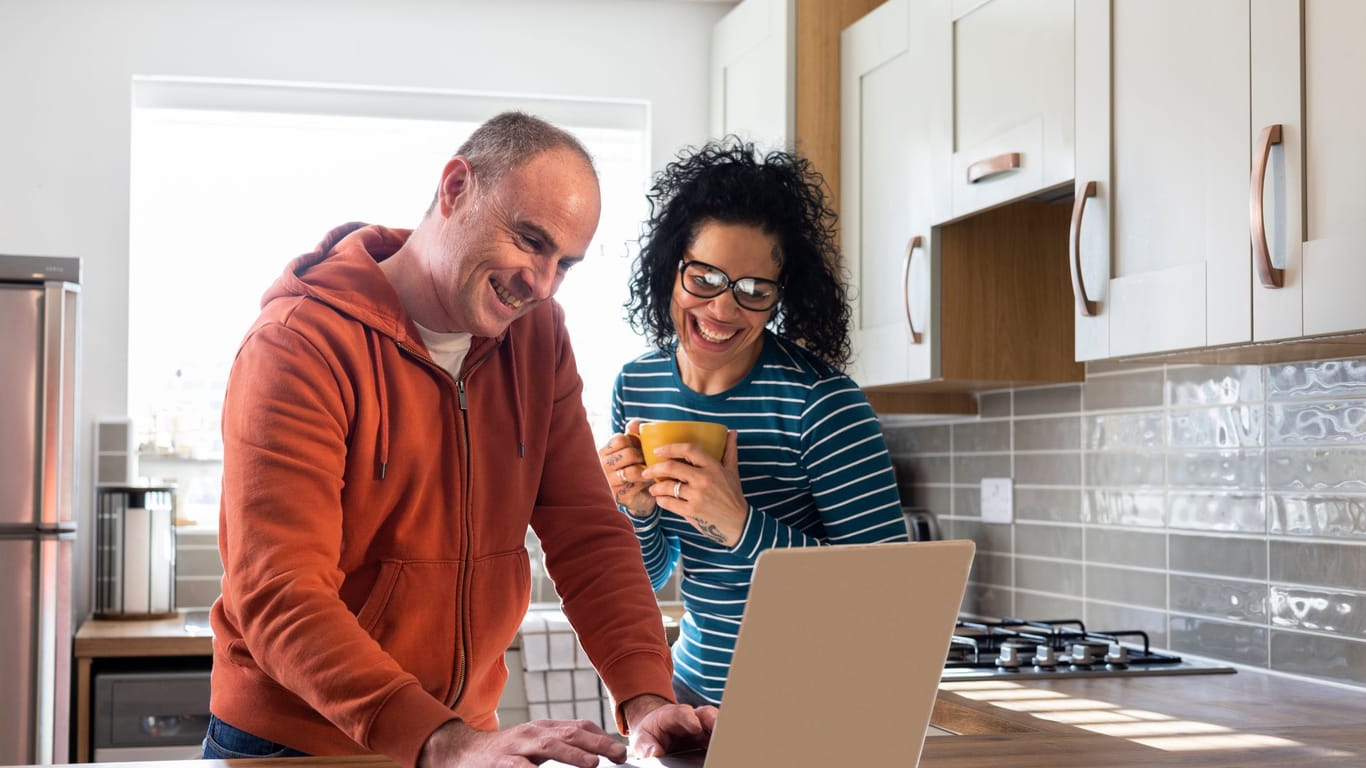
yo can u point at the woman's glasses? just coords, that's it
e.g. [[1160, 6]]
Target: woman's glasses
[[707, 282]]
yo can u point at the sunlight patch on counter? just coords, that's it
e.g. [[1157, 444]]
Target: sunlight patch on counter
[[1224, 741], [1150, 729]]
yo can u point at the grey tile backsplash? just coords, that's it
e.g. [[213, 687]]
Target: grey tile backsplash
[[1222, 509]]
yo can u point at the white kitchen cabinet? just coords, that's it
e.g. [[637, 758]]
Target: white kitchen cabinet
[[1162, 102], [753, 83], [1009, 65], [891, 116], [1326, 292], [1307, 197], [938, 309], [1175, 108]]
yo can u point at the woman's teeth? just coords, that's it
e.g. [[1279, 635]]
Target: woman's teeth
[[505, 297], [713, 336]]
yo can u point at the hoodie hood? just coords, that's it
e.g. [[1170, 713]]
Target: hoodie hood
[[343, 272]]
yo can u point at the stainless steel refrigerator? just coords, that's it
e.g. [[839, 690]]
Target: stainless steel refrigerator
[[39, 303]]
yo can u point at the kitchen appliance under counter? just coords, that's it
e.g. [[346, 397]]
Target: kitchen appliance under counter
[[180, 642]]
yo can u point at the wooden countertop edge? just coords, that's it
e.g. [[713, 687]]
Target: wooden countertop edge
[[121, 647], [953, 713]]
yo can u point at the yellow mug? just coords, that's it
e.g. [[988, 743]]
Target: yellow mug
[[707, 435]]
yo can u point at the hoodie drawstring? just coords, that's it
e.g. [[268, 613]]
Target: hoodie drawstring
[[383, 393], [516, 400]]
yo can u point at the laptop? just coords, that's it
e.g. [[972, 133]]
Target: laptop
[[838, 658]]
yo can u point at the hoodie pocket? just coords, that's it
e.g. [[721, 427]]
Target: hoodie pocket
[[411, 613], [500, 586]]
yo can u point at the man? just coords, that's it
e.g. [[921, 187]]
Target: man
[[404, 406]]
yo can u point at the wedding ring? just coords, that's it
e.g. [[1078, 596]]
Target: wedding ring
[[677, 485], [621, 474]]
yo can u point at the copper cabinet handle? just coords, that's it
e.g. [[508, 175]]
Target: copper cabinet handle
[[1085, 306], [1270, 276], [916, 242], [993, 166]]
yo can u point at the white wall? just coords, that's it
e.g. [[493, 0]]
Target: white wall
[[65, 93]]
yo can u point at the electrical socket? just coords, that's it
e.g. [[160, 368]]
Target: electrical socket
[[998, 497]]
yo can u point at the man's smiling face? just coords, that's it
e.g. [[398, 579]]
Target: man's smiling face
[[507, 248]]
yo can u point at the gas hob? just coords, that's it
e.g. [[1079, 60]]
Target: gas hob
[[1015, 649]]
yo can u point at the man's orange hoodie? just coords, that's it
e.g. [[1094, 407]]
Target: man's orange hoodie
[[374, 512]]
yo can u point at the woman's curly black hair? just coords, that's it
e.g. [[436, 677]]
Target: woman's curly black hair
[[730, 182]]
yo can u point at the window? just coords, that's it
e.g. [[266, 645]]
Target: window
[[230, 181]]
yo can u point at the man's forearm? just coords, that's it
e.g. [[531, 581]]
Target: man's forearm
[[449, 739], [635, 709]]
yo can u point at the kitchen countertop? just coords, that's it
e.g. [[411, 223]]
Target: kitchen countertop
[[1246, 719], [187, 634], [183, 635], [1249, 720]]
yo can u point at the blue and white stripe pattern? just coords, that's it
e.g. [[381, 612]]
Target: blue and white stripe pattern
[[812, 464]]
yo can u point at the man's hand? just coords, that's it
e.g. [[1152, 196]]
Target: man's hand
[[659, 727], [575, 742]]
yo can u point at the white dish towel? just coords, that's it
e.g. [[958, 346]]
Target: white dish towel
[[561, 683]]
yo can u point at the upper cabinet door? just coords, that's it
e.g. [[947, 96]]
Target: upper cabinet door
[[1160, 242], [1334, 250], [1012, 100], [753, 81], [1275, 186], [891, 110]]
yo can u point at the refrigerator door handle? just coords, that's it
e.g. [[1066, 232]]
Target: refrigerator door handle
[[59, 403]]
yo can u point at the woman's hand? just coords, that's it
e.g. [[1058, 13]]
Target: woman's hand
[[700, 489], [623, 463]]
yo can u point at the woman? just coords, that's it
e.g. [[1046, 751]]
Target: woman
[[737, 289]]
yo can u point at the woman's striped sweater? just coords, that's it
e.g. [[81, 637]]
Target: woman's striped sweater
[[812, 463]]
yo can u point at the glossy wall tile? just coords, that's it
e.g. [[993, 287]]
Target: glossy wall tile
[[1222, 508]]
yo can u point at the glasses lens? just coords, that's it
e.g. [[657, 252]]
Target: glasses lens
[[701, 280], [755, 293]]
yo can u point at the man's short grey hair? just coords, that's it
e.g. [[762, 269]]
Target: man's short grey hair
[[510, 139]]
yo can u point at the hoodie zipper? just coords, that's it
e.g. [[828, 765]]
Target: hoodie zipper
[[464, 598], [458, 684]]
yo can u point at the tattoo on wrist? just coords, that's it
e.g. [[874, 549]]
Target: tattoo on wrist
[[709, 530]]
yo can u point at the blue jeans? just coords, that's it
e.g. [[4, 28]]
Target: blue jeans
[[224, 742]]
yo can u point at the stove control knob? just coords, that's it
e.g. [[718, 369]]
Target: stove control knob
[[1008, 657], [1045, 656], [1117, 654], [1083, 655]]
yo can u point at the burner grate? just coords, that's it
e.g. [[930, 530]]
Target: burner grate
[[1014, 646]]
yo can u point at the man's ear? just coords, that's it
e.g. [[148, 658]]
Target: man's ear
[[457, 179]]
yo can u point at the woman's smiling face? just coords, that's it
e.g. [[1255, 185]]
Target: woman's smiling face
[[719, 340]]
